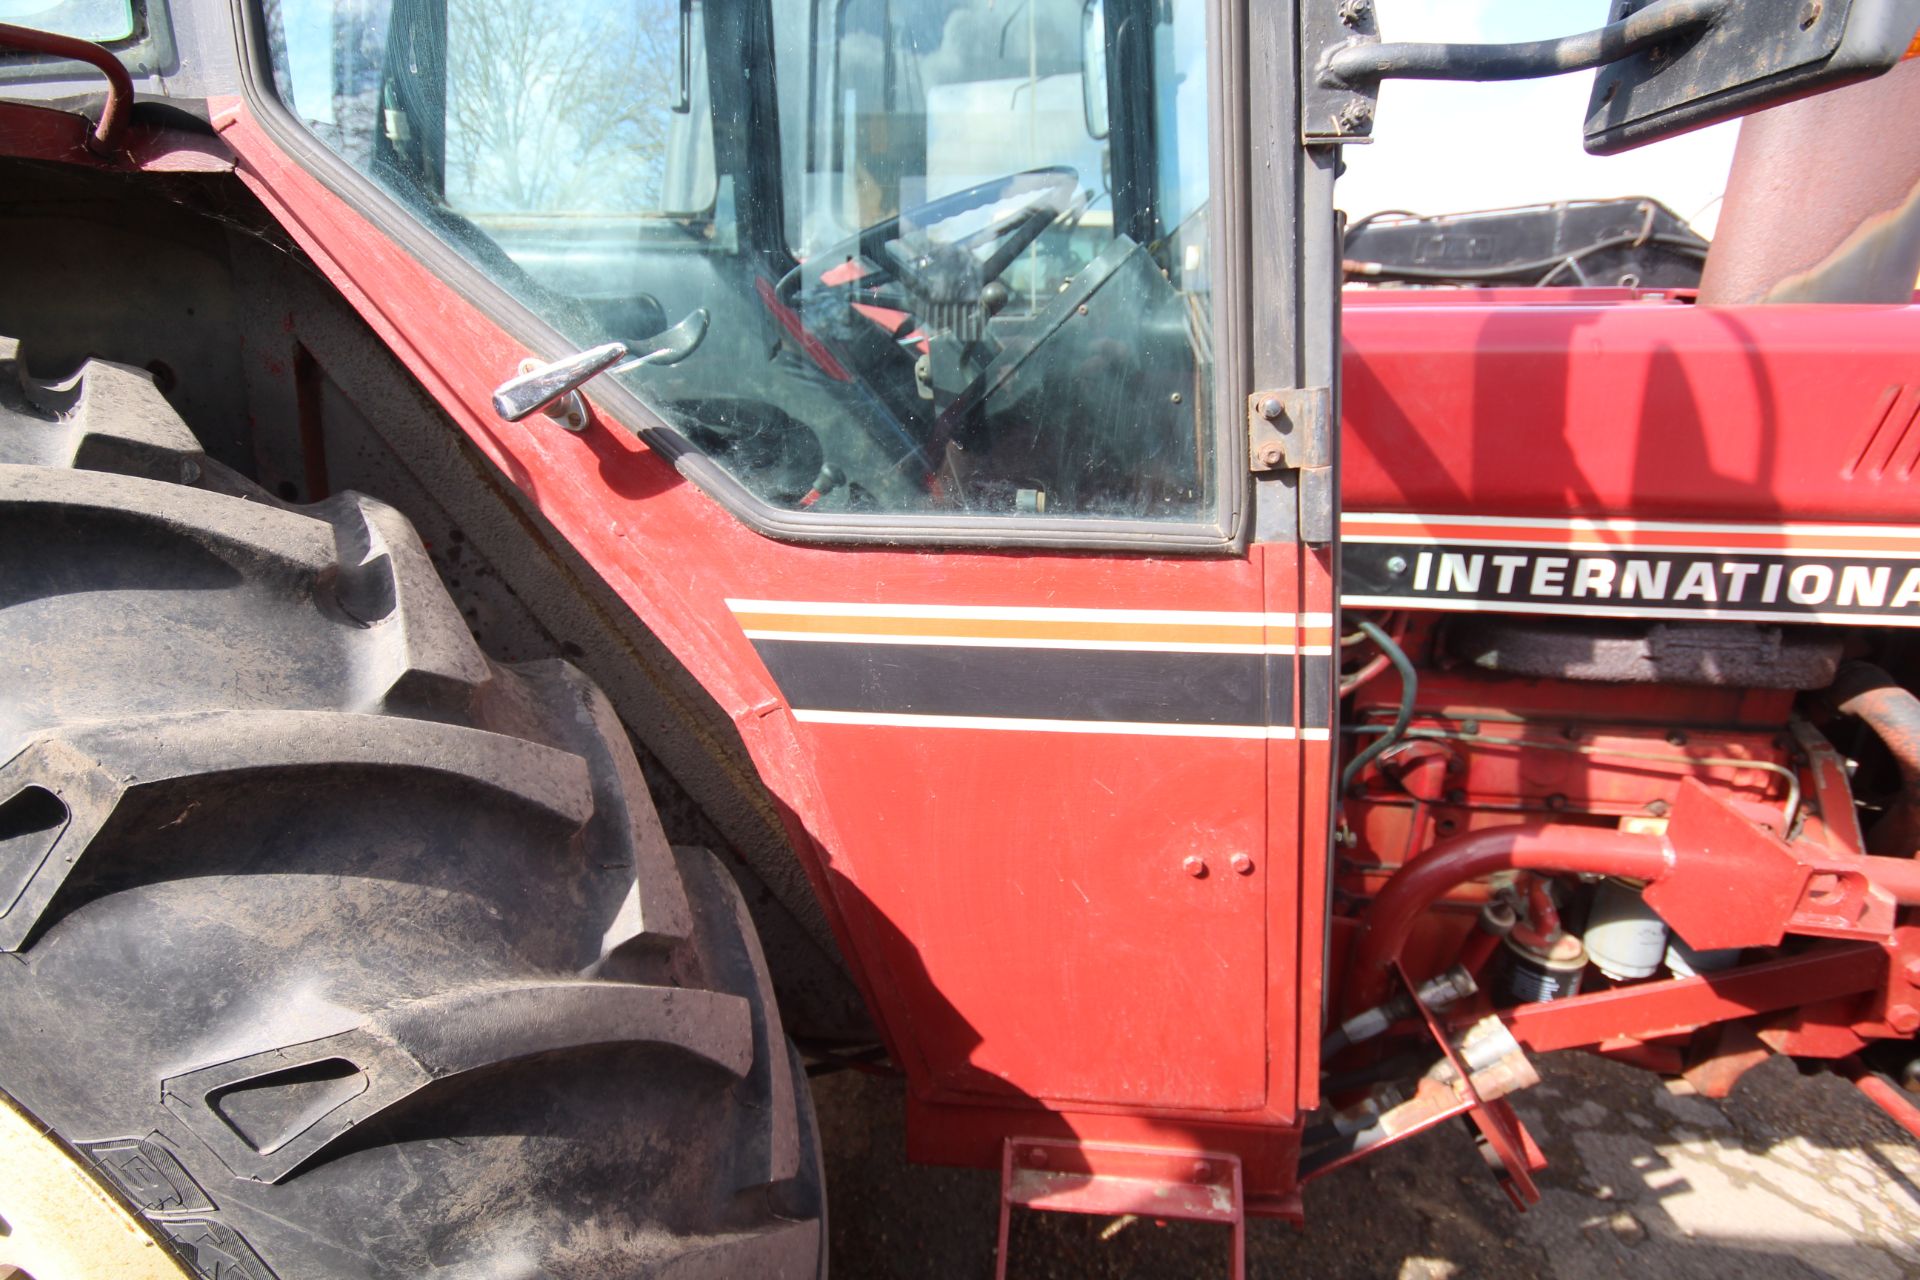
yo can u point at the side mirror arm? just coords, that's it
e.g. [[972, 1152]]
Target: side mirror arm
[[1368, 62]]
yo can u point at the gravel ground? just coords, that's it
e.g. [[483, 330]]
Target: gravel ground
[[1791, 1178]]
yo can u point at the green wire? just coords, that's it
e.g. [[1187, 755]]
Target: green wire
[[1409, 690]]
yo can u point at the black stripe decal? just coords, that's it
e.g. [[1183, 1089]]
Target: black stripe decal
[[1316, 691], [1280, 688], [1243, 689]]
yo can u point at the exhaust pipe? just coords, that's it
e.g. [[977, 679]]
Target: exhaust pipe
[[1823, 201]]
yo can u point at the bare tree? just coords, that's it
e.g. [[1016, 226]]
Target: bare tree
[[559, 106]]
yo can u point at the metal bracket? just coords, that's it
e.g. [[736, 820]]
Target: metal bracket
[[1331, 111], [1289, 428], [1108, 1179], [1292, 430], [1457, 1089]]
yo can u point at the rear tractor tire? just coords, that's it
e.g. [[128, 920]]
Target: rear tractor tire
[[333, 948]]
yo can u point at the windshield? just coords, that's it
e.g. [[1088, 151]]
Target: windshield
[[948, 258]]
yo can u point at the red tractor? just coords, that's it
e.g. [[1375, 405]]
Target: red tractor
[[565, 561]]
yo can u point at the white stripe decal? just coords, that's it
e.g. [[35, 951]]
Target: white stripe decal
[[905, 720], [1021, 613], [1000, 642]]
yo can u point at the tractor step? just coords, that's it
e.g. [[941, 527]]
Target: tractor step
[[1110, 1179]]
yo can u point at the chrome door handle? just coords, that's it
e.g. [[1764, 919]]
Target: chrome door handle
[[555, 387]]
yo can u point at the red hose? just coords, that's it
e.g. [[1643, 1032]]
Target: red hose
[[113, 116], [1896, 1102], [1548, 847]]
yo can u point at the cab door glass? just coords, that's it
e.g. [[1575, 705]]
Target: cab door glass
[[953, 254], [560, 147], [103, 21]]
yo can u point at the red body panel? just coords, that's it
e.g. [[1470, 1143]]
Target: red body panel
[[1654, 409]]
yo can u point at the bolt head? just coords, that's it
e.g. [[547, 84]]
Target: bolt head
[[1396, 564], [1037, 1158], [1202, 1170], [1194, 865], [1272, 455], [1271, 408], [1242, 864], [1904, 1018], [1355, 117], [1912, 970]]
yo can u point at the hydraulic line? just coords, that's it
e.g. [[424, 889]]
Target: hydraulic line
[[1790, 808], [1562, 848], [1547, 847], [1409, 691], [1397, 628]]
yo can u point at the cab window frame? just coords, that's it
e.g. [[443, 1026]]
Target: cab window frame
[[1226, 530]]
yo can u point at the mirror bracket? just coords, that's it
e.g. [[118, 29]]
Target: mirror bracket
[[1667, 66], [1336, 112]]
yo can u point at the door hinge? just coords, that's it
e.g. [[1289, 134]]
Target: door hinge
[[1292, 430]]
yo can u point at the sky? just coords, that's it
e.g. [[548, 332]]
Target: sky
[[1449, 148]]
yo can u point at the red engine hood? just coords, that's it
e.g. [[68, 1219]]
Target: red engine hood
[[1565, 402]]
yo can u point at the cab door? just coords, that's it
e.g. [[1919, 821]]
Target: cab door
[[967, 505]]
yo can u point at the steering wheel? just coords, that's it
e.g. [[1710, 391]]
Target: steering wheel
[[891, 286], [942, 282]]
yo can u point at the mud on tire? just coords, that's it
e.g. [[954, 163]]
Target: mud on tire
[[337, 949]]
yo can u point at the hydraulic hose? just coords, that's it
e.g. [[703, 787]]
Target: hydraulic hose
[[1409, 690], [1546, 847]]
